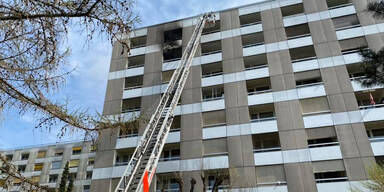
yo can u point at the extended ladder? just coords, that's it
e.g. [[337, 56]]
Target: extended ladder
[[148, 151]]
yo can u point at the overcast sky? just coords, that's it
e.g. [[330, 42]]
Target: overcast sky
[[86, 86]]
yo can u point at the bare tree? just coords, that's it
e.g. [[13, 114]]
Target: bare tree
[[33, 60]]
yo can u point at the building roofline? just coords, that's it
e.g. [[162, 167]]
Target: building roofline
[[185, 18], [42, 145]]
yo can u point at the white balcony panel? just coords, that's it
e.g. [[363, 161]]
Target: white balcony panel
[[132, 93], [215, 80], [295, 156], [153, 90], [137, 51], [373, 114], [257, 73], [138, 32], [126, 73], [268, 158], [273, 188], [234, 77], [117, 172], [350, 33], [357, 86], [213, 105], [191, 164], [127, 142], [178, 110], [348, 10], [170, 65], [296, 20], [378, 148], [173, 137], [264, 127], [311, 91], [168, 166], [104, 173], [325, 15], [318, 120], [211, 58], [371, 29], [328, 62], [251, 29], [300, 42], [214, 132], [234, 130], [265, 6], [325, 153], [260, 98], [210, 37], [352, 58], [254, 50], [334, 186], [313, 17], [286, 95], [305, 65], [218, 162], [191, 108]]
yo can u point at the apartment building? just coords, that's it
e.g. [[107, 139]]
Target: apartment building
[[272, 99], [44, 164]]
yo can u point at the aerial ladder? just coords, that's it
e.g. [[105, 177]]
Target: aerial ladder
[[147, 153]]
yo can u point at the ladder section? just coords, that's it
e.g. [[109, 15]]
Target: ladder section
[[148, 151]]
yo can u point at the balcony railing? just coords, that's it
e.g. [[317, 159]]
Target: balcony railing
[[212, 74], [215, 154], [259, 92], [304, 59], [371, 106], [323, 144], [263, 119], [253, 44], [213, 98], [210, 53], [133, 87], [135, 66], [309, 84], [169, 158], [130, 110], [256, 67], [348, 27], [267, 150], [339, 6], [121, 163], [298, 36], [376, 139], [316, 112], [249, 24], [128, 135], [329, 180]]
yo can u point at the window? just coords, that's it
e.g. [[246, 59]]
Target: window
[[53, 178], [137, 42], [91, 161], [302, 53], [344, 22], [270, 174], [86, 188], [170, 152], [172, 53], [173, 35], [74, 163], [35, 179], [24, 156], [131, 129], [213, 92], [76, 150], [257, 86], [56, 165], [255, 61], [353, 45], [21, 168], [167, 183], [329, 171], [211, 69], [38, 167], [136, 61], [123, 158], [321, 137], [250, 19], [211, 47], [266, 142], [264, 112], [176, 123], [89, 175], [314, 105], [9, 157], [133, 82], [292, 10], [41, 154], [375, 129], [214, 118], [253, 39], [59, 152], [337, 3], [166, 76], [215, 147], [297, 31], [131, 105], [211, 27], [308, 78]]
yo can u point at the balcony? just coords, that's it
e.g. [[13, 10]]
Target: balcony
[[253, 39], [316, 105], [333, 4], [133, 82], [346, 22], [250, 19], [255, 62], [259, 113], [173, 35], [297, 31], [209, 28], [302, 53], [292, 10], [266, 142], [213, 93], [123, 156], [375, 131], [370, 99], [308, 78], [214, 118], [258, 86], [212, 69], [171, 152], [166, 76], [136, 61], [138, 42], [131, 105], [353, 45], [210, 48]]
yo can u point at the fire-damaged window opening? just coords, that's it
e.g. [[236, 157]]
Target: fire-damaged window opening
[[171, 54], [173, 35]]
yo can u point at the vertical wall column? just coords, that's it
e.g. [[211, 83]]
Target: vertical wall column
[[292, 134], [240, 148], [354, 144]]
